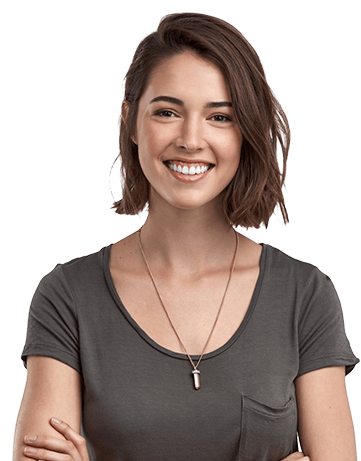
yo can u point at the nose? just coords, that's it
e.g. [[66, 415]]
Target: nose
[[191, 136]]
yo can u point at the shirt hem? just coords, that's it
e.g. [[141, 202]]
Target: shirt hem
[[328, 361], [57, 354]]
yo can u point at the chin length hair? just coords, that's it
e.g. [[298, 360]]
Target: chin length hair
[[250, 198]]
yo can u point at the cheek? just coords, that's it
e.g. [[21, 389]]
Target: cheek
[[149, 150], [230, 149], [151, 139]]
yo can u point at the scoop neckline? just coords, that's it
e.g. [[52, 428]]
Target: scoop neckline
[[169, 352]]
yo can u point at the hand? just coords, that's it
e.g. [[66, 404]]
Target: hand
[[297, 456], [54, 449]]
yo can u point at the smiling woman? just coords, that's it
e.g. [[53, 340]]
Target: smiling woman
[[186, 340], [189, 129], [254, 191]]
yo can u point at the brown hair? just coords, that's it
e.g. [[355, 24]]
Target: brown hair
[[251, 197]]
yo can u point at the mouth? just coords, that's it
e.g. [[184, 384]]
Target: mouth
[[188, 168]]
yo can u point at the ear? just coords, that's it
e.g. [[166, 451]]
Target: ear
[[125, 110]]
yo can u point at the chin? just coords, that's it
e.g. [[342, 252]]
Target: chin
[[192, 204], [183, 201]]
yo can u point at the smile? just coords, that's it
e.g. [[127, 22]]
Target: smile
[[188, 169]]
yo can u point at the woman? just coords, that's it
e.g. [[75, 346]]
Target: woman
[[186, 340]]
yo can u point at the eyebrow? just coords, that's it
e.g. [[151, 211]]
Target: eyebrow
[[179, 102]]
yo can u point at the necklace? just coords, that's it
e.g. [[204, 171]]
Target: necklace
[[195, 371]]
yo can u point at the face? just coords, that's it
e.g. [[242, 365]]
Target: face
[[188, 141]]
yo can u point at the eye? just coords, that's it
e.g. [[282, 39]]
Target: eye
[[221, 118], [165, 113]]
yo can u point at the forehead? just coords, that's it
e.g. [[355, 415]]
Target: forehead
[[187, 76]]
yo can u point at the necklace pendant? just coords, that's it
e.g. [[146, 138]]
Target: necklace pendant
[[197, 379]]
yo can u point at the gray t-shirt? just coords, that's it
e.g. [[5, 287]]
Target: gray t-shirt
[[139, 402]]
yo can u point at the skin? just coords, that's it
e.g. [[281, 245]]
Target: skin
[[325, 423], [52, 388], [189, 245]]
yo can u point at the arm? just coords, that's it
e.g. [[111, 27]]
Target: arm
[[324, 419], [52, 389]]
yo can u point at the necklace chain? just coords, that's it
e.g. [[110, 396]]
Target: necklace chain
[[195, 366]]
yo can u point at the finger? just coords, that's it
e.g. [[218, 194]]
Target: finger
[[50, 443], [50, 448], [71, 435], [297, 456], [303, 457], [46, 455]]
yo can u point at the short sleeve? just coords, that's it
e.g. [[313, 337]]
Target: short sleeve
[[322, 338], [52, 325]]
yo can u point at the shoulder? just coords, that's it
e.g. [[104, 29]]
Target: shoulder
[[303, 284], [278, 269], [79, 272], [284, 267]]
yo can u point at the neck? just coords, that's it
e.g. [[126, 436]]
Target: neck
[[188, 242]]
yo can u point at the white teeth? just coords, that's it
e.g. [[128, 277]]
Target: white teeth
[[188, 170]]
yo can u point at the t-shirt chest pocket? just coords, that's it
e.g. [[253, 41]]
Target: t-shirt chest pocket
[[267, 434]]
